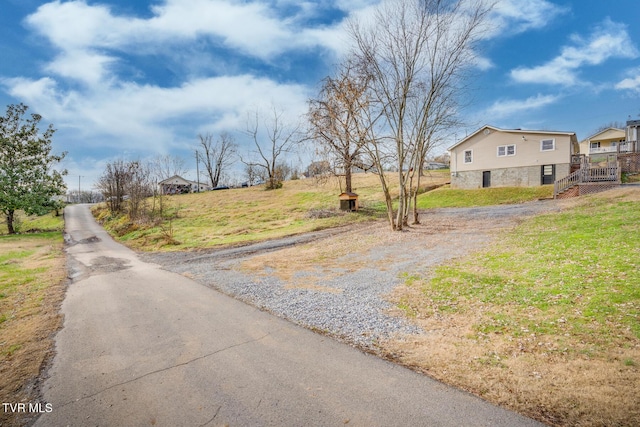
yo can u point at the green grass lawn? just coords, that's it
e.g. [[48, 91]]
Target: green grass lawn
[[578, 270], [251, 214], [446, 197], [547, 320]]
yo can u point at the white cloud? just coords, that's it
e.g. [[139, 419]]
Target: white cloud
[[74, 25], [609, 40], [518, 16], [131, 114], [91, 45], [83, 65], [508, 107], [483, 63], [252, 28], [632, 82]]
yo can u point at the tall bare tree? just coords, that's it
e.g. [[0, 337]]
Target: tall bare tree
[[217, 155], [273, 137], [336, 118], [126, 180], [414, 53]]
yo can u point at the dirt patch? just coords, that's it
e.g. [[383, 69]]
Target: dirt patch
[[31, 295]]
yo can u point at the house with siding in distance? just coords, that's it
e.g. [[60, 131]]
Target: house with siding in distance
[[494, 157], [609, 140], [178, 185]]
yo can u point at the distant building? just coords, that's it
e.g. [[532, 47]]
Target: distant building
[[609, 140], [178, 185]]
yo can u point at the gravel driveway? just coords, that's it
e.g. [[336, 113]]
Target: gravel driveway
[[337, 281]]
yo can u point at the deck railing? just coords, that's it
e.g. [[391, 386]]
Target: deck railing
[[588, 173], [567, 182], [595, 174], [620, 147]]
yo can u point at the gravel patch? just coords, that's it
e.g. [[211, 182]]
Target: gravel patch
[[346, 297]]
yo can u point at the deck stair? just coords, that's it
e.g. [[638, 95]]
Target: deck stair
[[588, 179]]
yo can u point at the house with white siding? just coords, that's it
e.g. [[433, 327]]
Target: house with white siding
[[494, 157]]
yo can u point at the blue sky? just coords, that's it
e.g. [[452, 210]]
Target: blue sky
[[127, 78]]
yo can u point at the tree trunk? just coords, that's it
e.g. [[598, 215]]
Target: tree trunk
[[347, 176], [416, 215], [10, 222], [402, 198]]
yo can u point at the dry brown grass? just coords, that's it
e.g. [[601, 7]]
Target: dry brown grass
[[242, 215], [31, 293], [308, 265], [535, 376]]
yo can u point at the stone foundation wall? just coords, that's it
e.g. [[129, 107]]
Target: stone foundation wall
[[529, 176]]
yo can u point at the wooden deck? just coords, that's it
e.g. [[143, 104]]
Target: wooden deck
[[610, 174]]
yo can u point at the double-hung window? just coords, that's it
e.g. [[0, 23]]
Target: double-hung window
[[506, 150], [547, 145], [468, 156]]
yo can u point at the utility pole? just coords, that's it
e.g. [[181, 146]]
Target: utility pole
[[79, 188], [198, 170]]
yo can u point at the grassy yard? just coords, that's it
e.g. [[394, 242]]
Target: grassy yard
[[251, 214], [244, 215], [547, 322], [32, 274], [446, 197]]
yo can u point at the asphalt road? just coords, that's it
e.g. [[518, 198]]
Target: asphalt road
[[143, 346]]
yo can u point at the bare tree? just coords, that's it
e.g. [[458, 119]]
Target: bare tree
[[113, 184], [138, 188], [273, 137], [253, 174], [336, 118], [414, 53], [125, 178], [164, 166], [217, 155]]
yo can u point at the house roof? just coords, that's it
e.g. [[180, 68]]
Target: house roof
[[173, 178], [519, 131], [597, 135], [181, 179]]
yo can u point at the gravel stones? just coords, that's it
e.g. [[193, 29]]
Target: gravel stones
[[346, 297]]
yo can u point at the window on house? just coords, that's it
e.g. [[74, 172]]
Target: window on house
[[468, 156], [506, 150], [547, 145], [595, 144]]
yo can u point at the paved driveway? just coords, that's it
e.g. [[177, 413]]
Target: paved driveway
[[144, 346]]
